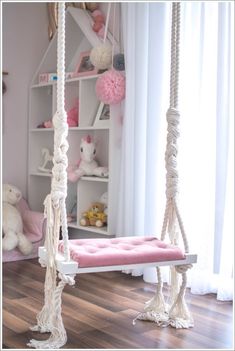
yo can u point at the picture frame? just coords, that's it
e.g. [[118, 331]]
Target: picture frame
[[102, 116], [84, 66]]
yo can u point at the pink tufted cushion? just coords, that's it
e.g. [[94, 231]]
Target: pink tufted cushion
[[121, 251]]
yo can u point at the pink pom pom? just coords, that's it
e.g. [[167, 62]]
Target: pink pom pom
[[96, 13], [110, 87], [101, 32]]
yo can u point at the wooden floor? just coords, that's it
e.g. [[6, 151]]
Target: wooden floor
[[98, 313]]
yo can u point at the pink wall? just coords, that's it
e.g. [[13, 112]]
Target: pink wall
[[24, 41]]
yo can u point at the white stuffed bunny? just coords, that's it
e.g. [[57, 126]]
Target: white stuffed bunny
[[12, 223], [87, 165]]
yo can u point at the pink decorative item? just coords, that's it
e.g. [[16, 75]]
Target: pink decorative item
[[72, 115], [48, 124], [110, 87], [99, 23], [72, 118], [101, 32], [96, 13]]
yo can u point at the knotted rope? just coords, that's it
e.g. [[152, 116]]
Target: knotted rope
[[156, 309], [49, 319]]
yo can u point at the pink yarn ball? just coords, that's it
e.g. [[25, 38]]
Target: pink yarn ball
[[96, 13], [110, 87]]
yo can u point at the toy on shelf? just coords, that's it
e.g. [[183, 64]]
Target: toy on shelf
[[52, 77], [13, 236], [94, 216], [72, 118], [87, 165], [104, 201], [47, 158]]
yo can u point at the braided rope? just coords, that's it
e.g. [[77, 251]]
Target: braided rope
[[172, 211], [60, 160], [50, 318]]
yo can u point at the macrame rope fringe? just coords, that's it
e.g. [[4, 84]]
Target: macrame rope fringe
[[49, 319], [156, 310]]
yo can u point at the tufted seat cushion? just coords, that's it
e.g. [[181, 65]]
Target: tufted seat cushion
[[121, 251]]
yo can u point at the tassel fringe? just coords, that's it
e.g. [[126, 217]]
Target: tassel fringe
[[157, 311]]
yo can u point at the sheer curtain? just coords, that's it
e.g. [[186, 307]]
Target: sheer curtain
[[206, 142]]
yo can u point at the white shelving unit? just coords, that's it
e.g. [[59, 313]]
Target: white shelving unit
[[79, 38]]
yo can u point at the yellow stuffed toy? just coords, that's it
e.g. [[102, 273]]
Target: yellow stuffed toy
[[94, 216]]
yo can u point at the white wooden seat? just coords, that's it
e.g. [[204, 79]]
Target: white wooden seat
[[72, 267]]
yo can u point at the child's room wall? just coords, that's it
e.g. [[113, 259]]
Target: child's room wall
[[24, 41]]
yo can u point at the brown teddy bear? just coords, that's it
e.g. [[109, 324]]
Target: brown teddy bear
[[94, 216]]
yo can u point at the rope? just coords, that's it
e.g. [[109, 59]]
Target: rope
[[49, 319], [114, 19], [107, 23], [173, 116], [60, 160]]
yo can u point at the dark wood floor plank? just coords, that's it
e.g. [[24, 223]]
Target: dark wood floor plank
[[98, 313]]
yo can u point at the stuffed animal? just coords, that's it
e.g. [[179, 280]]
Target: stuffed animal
[[72, 118], [12, 222], [94, 216], [87, 166]]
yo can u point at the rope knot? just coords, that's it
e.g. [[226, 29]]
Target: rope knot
[[67, 279], [173, 116], [183, 268]]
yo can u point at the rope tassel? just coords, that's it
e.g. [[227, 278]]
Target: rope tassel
[[50, 318], [179, 315], [156, 310]]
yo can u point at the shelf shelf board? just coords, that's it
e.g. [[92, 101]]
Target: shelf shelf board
[[94, 179], [43, 85], [89, 179], [67, 81], [70, 129], [41, 174], [93, 229]]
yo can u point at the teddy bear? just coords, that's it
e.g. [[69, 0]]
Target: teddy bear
[[94, 216], [12, 222]]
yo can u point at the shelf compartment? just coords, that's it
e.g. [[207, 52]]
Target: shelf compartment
[[92, 229]]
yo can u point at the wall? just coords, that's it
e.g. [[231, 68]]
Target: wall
[[24, 41]]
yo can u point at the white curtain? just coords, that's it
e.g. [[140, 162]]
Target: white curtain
[[206, 142]]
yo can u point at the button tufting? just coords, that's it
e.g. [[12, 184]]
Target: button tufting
[[126, 250]]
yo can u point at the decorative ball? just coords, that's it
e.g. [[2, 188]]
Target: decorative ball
[[119, 62], [96, 13], [101, 56], [100, 33], [110, 87], [97, 26]]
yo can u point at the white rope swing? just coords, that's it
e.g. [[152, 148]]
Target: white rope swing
[[49, 319], [156, 310]]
